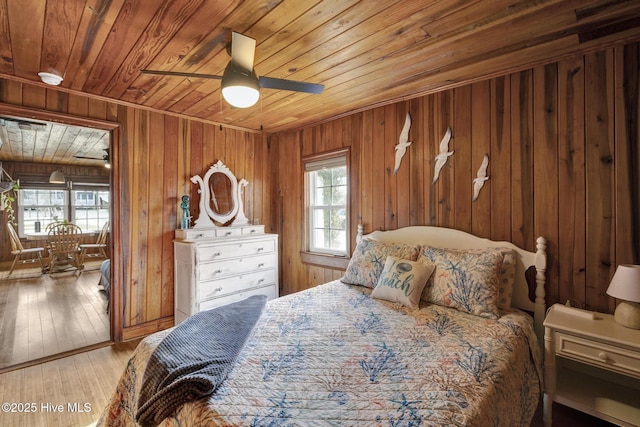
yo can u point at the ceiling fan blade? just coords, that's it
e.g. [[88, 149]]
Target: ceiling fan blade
[[179, 74], [87, 158], [271, 83], [105, 157], [243, 50]]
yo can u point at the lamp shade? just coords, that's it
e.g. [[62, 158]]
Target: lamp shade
[[625, 284], [57, 177], [240, 87]]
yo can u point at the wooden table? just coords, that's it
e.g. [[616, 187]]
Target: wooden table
[[43, 235]]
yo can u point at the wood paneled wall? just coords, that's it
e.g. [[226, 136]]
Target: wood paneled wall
[[564, 161], [563, 144], [156, 156]]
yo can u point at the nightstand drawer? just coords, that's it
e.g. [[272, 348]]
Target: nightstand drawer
[[606, 356]]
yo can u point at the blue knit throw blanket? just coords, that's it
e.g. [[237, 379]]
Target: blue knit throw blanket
[[195, 358]]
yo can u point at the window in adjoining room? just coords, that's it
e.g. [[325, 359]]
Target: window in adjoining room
[[39, 207], [85, 205], [90, 208], [327, 190]]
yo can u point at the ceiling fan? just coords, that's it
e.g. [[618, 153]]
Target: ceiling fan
[[105, 158], [240, 84]]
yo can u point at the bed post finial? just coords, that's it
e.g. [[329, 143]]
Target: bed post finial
[[360, 229], [541, 268]]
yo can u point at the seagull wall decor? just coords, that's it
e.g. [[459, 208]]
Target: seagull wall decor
[[442, 156], [403, 143], [482, 177]]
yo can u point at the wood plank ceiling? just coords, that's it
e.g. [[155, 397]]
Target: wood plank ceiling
[[31, 141], [366, 53]]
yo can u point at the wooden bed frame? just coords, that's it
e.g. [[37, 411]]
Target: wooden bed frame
[[449, 238]]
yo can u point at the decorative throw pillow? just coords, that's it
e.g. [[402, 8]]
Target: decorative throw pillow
[[507, 276], [402, 281], [368, 260], [464, 279]]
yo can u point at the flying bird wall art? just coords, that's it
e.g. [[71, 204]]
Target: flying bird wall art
[[403, 143], [443, 155], [481, 178]]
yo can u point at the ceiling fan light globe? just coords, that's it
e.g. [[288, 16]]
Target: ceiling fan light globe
[[240, 87], [240, 96]]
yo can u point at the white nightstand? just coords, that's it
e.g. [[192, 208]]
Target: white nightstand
[[592, 365]]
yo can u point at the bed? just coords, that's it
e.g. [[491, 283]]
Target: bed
[[105, 280], [338, 354]]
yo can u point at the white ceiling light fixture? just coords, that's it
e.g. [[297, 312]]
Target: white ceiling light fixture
[[57, 177], [50, 78], [240, 87]]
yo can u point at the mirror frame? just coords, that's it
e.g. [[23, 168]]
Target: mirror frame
[[211, 217]]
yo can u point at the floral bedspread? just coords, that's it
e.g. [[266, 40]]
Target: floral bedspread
[[333, 356]]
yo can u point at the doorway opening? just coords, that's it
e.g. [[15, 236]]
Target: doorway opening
[[52, 309]]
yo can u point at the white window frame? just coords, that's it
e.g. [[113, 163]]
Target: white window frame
[[312, 165], [100, 221], [21, 206], [69, 207]]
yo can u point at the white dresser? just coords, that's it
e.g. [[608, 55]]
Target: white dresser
[[214, 271]]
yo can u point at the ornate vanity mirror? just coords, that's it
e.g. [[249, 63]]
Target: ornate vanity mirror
[[220, 198]]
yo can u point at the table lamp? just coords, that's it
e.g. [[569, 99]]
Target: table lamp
[[625, 286]]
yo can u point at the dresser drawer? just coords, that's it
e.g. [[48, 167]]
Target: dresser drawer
[[232, 267], [606, 356], [192, 234], [253, 229], [270, 291], [229, 285], [219, 252]]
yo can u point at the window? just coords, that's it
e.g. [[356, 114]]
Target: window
[[39, 207], [327, 196], [90, 208], [86, 207]]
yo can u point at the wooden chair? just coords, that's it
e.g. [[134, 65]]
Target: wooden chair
[[51, 224], [24, 255], [63, 243], [97, 249]]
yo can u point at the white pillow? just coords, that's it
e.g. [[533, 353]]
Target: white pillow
[[402, 281]]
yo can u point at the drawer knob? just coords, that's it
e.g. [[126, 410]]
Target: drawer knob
[[199, 235], [252, 231], [603, 356], [261, 265], [228, 233], [260, 249], [217, 254], [217, 289], [217, 272], [261, 280]]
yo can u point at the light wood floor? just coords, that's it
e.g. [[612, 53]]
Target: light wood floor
[[47, 314], [86, 378]]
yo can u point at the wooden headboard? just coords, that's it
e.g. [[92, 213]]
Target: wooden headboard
[[442, 237]]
